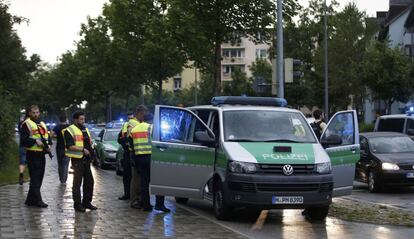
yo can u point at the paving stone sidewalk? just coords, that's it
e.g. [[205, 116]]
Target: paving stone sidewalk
[[113, 219]]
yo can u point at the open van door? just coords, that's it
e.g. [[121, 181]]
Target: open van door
[[341, 141], [183, 153]]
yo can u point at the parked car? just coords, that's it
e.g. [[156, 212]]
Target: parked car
[[106, 147], [387, 159], [402, 123]]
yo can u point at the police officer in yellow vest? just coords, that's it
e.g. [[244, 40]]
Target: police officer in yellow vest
[[32, 132], [126, 159], [140, 136], [78, 146]]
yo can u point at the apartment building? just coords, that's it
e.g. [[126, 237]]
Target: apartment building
[[238, 55]]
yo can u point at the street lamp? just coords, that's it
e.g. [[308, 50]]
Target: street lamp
[[326, 103], [281, 92]]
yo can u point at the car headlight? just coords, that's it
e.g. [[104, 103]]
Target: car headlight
[[242, 167], [323, 168], [390, 166]]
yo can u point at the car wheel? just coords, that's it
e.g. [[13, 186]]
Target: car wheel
[[221, 210], [316, 213], [181, 200], [373, 184]]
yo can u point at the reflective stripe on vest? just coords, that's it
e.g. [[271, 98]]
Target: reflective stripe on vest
[[130, 125], [77, 136], [141, 135], [35, 131]]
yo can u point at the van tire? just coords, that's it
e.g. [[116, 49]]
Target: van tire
[[221, 210], [181, 200], [316, 213]]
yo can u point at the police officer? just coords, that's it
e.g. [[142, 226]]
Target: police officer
[[63, 161], [79, 148], [141, 140], [126, 159], [32, 132], [136, 177]]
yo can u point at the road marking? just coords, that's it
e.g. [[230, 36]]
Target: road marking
[[209, 219], [260, 220]]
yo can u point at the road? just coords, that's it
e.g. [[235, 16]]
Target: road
[[115, 219]]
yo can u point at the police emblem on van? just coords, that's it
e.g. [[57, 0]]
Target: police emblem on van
[[288, 170]]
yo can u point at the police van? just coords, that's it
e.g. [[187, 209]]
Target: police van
[[252, 152]]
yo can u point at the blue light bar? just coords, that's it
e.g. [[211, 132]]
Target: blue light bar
[[243, 100]]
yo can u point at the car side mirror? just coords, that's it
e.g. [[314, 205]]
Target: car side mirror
[[204, 138], [332, 140]]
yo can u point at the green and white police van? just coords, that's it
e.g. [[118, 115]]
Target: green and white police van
[[252, 152]]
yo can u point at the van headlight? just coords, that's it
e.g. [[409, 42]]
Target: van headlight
[[242, 167], [323, 168], [390, 166]]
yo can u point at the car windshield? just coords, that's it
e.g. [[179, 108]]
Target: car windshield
[[111, 135], [266, 126], [95, 133], [396, 144]]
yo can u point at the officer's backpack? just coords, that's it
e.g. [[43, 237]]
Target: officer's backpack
[[316, 126]]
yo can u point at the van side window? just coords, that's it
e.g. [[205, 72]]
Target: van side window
[[410, 127], [393, 125], [215, 125], [203, 114], [196, 126], [174, 125]]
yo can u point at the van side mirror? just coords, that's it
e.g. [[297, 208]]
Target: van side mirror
[[410, 132], [204, 138], [332, 140]]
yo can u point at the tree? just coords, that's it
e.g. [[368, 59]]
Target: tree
[[203, 25], [388, 74], [239, 85], [262, 69]]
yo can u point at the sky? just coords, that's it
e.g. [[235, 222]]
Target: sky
[[54, 25]]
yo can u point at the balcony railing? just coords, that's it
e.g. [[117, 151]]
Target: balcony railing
[[232, 60]]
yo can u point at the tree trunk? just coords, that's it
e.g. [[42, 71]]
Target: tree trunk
[[217, 69], [127, 103], [159, 91], [108, 107]]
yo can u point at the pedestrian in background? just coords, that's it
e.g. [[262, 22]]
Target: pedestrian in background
[[79, 148], [22, 149], [126, 159], [62, 160], [35, 138], [318, 125]]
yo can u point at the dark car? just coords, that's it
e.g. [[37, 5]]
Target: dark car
[[387, 159]]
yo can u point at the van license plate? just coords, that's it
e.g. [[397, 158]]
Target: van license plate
[[287, 200], [410, 175]]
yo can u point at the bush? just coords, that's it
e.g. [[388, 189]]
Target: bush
[[366, 127], [8, 117]]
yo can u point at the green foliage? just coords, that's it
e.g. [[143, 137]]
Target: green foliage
[[240, 85], [202, 26], [366, 127], [387, 73]]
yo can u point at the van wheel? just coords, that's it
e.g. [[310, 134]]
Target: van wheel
[[316, 213], [181, 200], [373, 184], [221, 210]]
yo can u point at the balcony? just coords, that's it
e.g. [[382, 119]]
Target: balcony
[[228, 45], [232, 60]]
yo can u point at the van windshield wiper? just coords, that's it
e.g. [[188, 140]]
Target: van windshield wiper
[[282, 141], [242, 140]]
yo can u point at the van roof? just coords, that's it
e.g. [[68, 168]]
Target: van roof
[[243, 107], [396, 116]]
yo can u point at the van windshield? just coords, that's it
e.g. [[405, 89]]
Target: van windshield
[[266, 126]]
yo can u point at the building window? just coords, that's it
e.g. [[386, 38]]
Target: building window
[[232, 53], [261, 53], [177, 83], [408, 51], [227, 70]]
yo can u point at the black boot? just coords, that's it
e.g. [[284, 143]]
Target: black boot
[[21, 179]]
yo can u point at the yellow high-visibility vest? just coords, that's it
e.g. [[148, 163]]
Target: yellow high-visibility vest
[[128, 127], [35, 131], [141, 136], [77, 136]]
